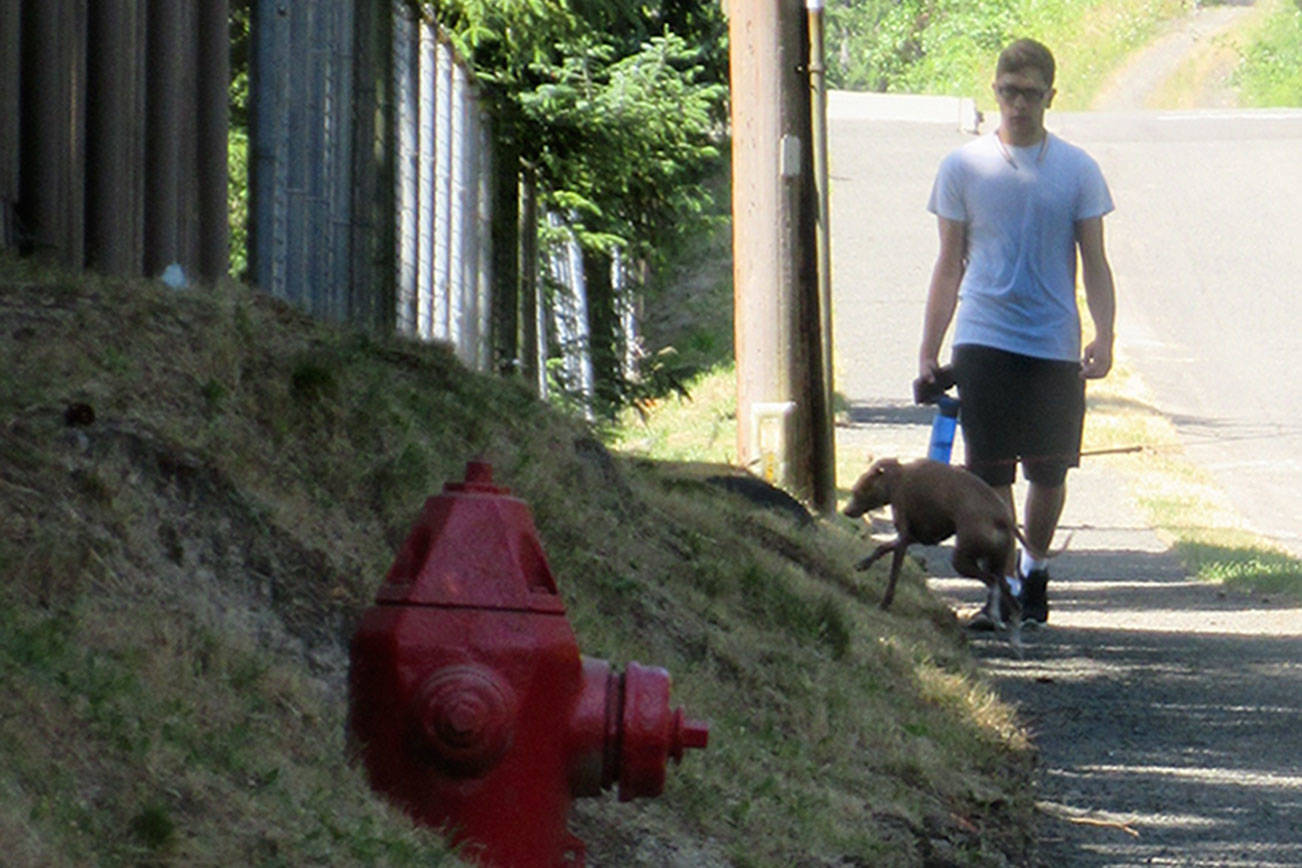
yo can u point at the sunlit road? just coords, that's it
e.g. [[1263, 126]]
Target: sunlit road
[[1206, 246]]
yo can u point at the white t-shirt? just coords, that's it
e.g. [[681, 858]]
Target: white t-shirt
[[1021, 206]]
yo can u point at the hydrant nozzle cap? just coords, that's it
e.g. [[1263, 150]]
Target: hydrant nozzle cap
[[650, 732], [688, 733]]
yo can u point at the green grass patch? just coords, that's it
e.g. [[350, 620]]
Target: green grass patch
[[1271, 71], [700, 425], [1240, 562]]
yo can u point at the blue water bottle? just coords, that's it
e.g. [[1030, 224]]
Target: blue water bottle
[[942, 429]]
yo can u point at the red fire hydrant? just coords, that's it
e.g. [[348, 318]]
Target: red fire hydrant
[[469, 702]]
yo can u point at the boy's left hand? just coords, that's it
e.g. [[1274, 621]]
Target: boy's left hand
[[1097, 360]]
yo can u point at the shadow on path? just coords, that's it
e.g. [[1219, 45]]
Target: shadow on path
[[1167, 713]]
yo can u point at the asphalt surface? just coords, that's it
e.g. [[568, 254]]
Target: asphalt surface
[[1204, 243], [1167, 713]]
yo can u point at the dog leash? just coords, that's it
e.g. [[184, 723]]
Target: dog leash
[[1143, 447]]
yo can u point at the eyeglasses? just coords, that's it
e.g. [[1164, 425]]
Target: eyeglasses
[[1010, 92]]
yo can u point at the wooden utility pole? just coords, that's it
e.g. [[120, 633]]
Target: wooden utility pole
[[781, 396], [825, 423]]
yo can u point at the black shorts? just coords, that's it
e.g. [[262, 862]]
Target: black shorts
[[1016, 407]]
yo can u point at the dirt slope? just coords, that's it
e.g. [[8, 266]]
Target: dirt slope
[[1195, 46]]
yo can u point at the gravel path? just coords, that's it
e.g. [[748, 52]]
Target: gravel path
[[1167, 712]]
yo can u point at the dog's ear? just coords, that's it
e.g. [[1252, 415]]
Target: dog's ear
[[886, 465]]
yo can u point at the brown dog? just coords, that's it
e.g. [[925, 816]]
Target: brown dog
[[931, 502]]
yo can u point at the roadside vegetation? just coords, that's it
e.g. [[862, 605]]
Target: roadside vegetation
[[1257, 63], [1271, 71], [615, 113], [949, 46]]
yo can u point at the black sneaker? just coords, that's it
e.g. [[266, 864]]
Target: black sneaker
[[1035, 597]]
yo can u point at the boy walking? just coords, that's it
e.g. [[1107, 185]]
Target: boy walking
[[1013, 209]]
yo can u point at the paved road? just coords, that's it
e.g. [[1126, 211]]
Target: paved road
[[1206, 246], [1166, 712]]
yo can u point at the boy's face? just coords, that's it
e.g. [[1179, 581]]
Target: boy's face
[[1023, 95]]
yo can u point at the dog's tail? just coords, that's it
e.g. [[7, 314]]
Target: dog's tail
[[1047, 555]]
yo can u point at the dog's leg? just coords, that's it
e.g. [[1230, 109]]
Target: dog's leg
[[877, 553], [1014, 615], [979, 566], [897, 560]]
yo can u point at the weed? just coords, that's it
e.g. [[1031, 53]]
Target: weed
[[313, 379], [214, 393], [33, 644], [153, 826], [1243, 565], [833, 626]]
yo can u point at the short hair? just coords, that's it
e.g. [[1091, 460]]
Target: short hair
[[1026, 53]]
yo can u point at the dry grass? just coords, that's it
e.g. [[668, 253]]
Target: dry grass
[[1090, 44]]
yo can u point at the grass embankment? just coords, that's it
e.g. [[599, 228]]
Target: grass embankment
[[1089, 43], [1257, 62], [182, 574]]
